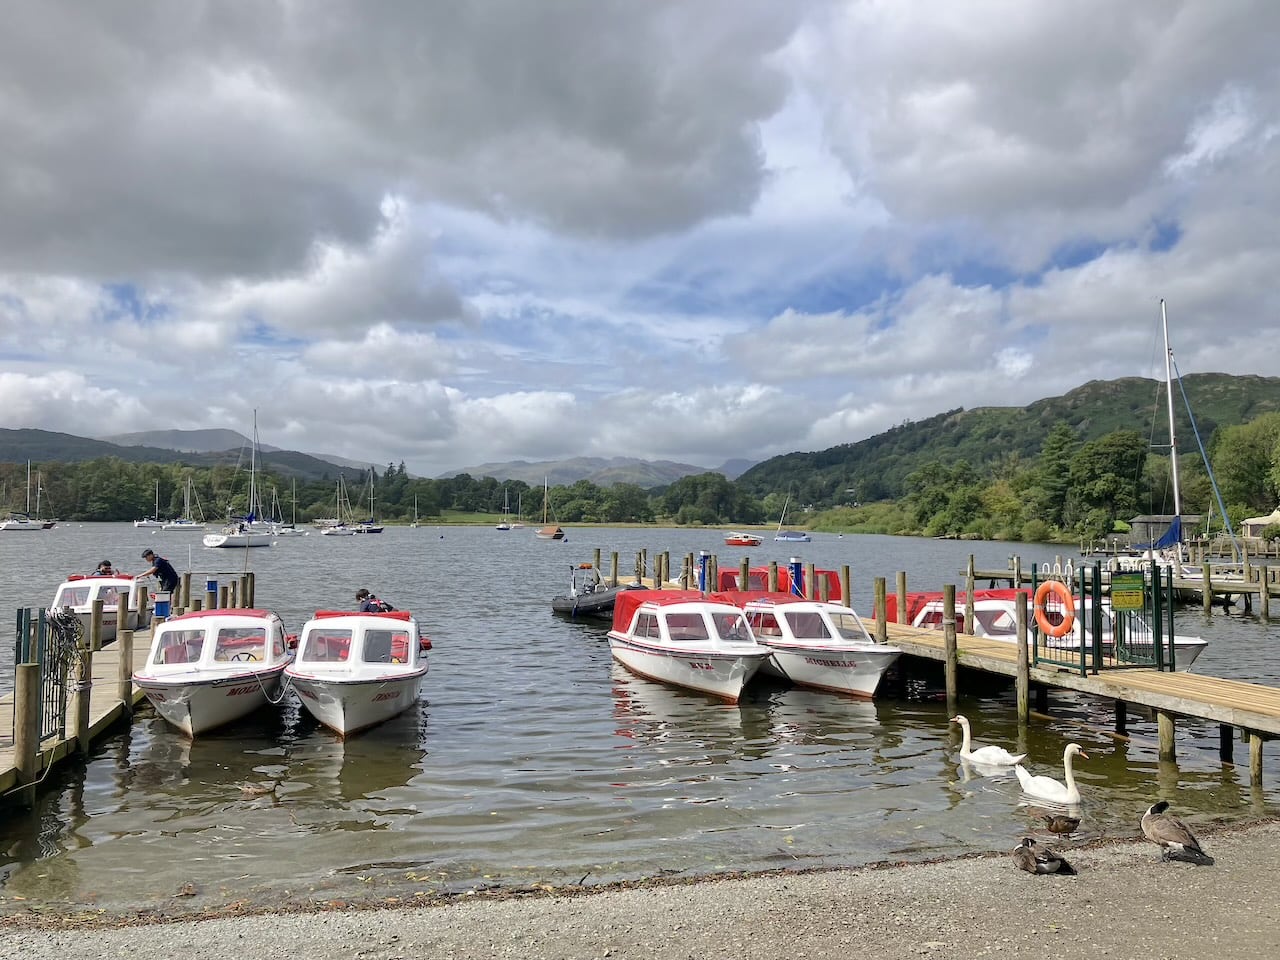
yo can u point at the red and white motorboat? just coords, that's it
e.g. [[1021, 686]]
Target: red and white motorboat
[[739, 539], [816, 644], [80, 591], [209, 667], [355, 670], [683, 638]]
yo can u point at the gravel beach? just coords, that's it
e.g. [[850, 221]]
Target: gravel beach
[[1124, 902]]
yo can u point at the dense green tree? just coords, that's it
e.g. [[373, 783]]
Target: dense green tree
[[1245, 459], [1105, 482]]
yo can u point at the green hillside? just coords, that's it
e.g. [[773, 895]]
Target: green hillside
[[876, 468]]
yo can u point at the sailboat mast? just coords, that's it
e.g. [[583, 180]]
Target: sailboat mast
[[1173, 439]]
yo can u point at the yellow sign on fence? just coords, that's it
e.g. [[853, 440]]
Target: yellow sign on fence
[[1127, 591]]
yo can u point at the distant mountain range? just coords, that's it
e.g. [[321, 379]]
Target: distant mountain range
[[210, 441], [602, 471]]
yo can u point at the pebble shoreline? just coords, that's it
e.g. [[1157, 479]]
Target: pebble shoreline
[[1124, 903]]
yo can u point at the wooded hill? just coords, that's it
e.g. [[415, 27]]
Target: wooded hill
[[876, 468]]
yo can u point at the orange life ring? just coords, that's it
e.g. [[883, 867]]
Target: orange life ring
[[1063, 596]]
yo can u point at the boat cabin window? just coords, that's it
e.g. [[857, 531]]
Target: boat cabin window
[[995, 623], [241, 643], [765, 625], [72, 597], [646, 626], [110, 596], [848, 627], [807, 626], [731, 626], [386, 646], [180, 646], [686, 626], [330, 646]]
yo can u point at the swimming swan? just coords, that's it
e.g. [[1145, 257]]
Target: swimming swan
[[1047, 788], [992, 756]]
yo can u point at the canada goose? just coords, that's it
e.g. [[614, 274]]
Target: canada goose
[[1037, 858], [1173, 836], [990, 755], [1047, 788]]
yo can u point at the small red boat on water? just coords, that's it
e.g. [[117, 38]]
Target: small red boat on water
[[738, 539]]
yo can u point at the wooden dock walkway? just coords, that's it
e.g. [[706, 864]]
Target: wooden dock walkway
[[1233, 704], [106, 708]]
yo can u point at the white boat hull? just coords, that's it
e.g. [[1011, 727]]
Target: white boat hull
[[720, 674], [182, 525], [238, 539], [855, 671], [198, 701], [347, 705]]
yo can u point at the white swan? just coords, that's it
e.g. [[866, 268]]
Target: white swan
[[1047, 788], [990, 756]]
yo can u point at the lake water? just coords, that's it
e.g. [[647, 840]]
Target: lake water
[[533, 758]]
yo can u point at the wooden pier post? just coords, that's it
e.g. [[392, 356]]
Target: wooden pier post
[[233, 593], [80, 702], [124, 673], [1165, 730], [1206, 587], [951, 664], [773, 576], [902, 597], [968, 597], [1264, 593], [211, 596], [1255, 758], [197, 602], [846, 585], [811, 582], [251, 589], [713, 573], [26, 729], [1016, 563], [185, 592], [1226, 743], [666, 567], [1022, 682], [613, 568], [878, 611], [744, 570], [595, 559], [223, 592], [95, 623]]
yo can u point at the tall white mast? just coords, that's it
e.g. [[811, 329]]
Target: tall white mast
[[1173, 439]]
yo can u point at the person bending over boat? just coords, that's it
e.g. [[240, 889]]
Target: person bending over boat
[[371, 604], [162, 569], [105, 570]]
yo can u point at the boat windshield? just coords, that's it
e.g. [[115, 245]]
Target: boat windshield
[[732, 626], [848, 626], [180, 646], [686, 626], [995, 623], [807, 626], [386, 646], [72, 597], [331, 646], [241, 643]]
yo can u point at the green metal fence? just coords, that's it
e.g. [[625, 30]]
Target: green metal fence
[[53, 640]]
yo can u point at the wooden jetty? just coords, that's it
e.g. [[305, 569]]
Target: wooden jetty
[[100, 690]]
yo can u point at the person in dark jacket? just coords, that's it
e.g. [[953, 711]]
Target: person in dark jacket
[[371, 604], [162, 569]]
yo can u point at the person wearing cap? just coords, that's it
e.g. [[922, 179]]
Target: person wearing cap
[[105, 570], [162, 569]]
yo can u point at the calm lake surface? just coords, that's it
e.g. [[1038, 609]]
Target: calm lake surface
[[533, 758]]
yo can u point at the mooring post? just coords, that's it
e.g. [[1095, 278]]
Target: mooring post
[[595, 559], [811, 582], [1017, 572], [713, 574], [211, 594], [84, 690], [1264, 593], [968, 596], [902, 598], [744, 573], [1206, 587], [1165, 730], [1255, 758], [846, 585], [26, 729], [224, 591], [124, 671], [613, 568], [882, 628], [773, 576], [185, 592], [1022, 683], [95, 623], [951, 665]]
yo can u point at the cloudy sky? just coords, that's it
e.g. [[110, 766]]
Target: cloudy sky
[[452, 233]]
